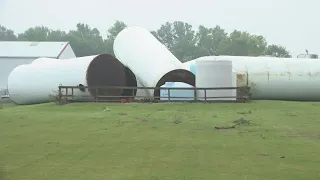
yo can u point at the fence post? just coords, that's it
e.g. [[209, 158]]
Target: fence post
[[60, 95], [205, 95], [169, 95], [67, 93], [72, 93], [195, 93], [133, 93], [97, 93]]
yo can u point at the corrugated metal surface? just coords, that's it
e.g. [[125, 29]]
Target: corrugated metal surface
[[28, 49], [214, 74]]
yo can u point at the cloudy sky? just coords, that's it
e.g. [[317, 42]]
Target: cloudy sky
[[292, 23]]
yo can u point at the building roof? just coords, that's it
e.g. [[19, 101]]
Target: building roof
[[31, 49]]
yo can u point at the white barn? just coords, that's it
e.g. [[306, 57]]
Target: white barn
[[15, 53]]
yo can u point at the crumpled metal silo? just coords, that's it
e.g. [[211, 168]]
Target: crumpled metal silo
[[151, 62]]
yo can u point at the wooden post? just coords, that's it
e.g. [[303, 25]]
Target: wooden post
[[205, 95], [195, 93], [67, 93], [96, 95], [60, 95], [71, 93], [169, 95], [133, 95]]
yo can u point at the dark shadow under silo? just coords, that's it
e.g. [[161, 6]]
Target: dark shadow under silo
[[178, 75], [105, 70]]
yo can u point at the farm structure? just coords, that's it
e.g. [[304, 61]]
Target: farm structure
[[16, 53], [142, 61]]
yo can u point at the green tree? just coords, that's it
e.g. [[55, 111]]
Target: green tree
[[112, 32], [211, 41], [277, 50], [41, 33], [244, 44], [165, 35], [38, 33], [7, 34], [179, 38], [86, 40]]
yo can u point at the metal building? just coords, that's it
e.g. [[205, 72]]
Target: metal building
[[15, 53]]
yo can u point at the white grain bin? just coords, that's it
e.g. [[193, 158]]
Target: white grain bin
[[45, 60], [214, 74], [278, 78], [152, 63], [34, 83], [131, 80], [177, 94]]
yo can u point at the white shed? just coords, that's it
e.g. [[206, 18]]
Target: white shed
[[15, 53]]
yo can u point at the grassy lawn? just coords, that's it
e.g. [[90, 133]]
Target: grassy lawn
[[160, 141]]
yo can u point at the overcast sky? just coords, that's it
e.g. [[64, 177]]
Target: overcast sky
[[292, 23]]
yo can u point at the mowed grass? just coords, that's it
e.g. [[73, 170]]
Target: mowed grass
[[160, 141]]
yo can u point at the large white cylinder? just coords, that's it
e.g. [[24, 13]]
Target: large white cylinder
[[214, 74], [152, 63], [45, 60], [131, 80], [277, 78], [34, 83]]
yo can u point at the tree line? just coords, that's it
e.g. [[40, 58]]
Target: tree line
[[180, 38]]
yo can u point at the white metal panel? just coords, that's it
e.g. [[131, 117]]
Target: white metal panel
[[7, 65], [44, 60], [214, 74], [139, 50], [278, 78], [177, 94], [142, 93], [67, 53], [34, 83], [27, 49]]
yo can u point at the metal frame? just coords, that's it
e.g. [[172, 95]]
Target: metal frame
[[66, 94]]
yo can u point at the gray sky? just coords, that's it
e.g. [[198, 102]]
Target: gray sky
[[292, 23]]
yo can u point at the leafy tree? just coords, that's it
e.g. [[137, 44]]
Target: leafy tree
[[165, 35], [38, 33], [179, 37], [86, 41], [7, 34], [277, 50], [113, 31], [41, 33], [211, 41], [245, 44]]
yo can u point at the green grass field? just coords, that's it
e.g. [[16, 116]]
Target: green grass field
[[98, 141]]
